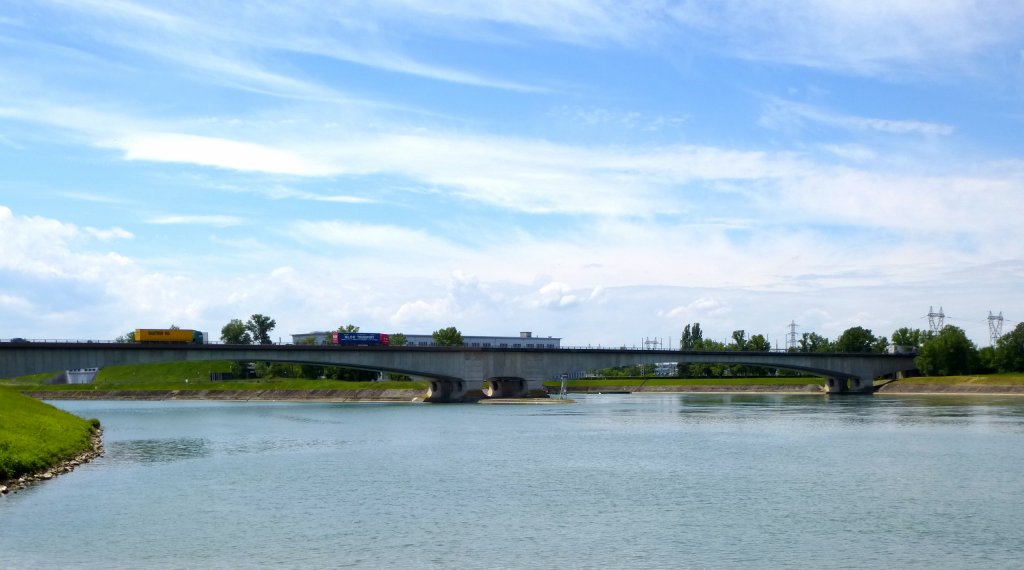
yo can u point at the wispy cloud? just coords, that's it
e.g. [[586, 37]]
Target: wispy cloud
[[219, 221], [372, 238], [244, 54], [94, 198], [783, 115], [109, 234], [216, 152], [876, 37]]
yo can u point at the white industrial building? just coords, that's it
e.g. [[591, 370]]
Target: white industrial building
[[524, 340]]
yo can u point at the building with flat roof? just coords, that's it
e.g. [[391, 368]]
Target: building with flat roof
[[319, 337]]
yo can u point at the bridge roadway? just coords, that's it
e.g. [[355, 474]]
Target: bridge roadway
[[454, 373]]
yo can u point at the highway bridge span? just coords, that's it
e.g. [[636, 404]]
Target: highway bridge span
[[454, 373]]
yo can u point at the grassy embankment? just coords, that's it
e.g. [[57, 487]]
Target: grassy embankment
[[977, 380], [682, 383], [193, 376], [1009, 379], [35, 436]]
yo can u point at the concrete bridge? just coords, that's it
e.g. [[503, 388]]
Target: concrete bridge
[[453, 373]]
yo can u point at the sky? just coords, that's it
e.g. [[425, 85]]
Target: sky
[[604, 172]]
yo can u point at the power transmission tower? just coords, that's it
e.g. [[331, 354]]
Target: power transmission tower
[[995, 327], [791, 340], [935, 320]]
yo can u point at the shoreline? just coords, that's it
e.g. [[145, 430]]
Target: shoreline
[[62, 468], [416, 395], [378, 396]]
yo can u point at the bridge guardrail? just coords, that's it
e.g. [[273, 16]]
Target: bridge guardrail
[[45, 341]]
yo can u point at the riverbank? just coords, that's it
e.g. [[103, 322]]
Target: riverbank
[[39, 442], [64, 467], [684, 388], [938, 388], [266, 395], [419, 395]]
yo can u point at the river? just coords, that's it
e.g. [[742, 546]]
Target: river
[[612, 481]]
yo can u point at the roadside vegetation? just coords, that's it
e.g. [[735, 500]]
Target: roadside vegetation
[[35, 436], [196, 376]]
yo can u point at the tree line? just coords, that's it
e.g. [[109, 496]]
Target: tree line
[[946, 353]]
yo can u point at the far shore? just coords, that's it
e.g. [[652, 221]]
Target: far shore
[[418, 395]]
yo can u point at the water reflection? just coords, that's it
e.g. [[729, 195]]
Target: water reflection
[[157, 450], [868, 411]]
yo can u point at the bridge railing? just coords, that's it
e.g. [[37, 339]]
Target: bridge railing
[[19, 340]]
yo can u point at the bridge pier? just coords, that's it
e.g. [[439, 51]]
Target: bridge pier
[[459, 390], [450, 390], [854, 385], [506, 387]]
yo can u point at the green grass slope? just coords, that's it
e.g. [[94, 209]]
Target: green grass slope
[[195, 376], [35, 436]]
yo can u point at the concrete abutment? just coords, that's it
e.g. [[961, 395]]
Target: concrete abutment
[[835, 385]]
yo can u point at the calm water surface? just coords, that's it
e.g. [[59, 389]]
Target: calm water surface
[[614, 481]]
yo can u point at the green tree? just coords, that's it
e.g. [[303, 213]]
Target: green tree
[[814, 342], [881, 345], [449, 336], [715, 370], [987, 363], [234, 333], [758, 343], [259, 326], [948, 353], [398, 339], [349, 328], [127, 337], [1009, 356], [906, 336], [739, 340], [855, 339], [692, 338]]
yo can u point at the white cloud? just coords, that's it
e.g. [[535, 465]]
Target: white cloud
[[556, 295], [373, 238], [214, 44], [110, 234], [784, 115], [869, 37], [216, 152], [219, 221], [854, 152], [701, 308], [47, 248], [14, 303]]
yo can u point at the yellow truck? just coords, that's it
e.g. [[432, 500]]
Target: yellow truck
[[168, 336]]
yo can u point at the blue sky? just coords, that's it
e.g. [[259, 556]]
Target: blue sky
[[597, 171]]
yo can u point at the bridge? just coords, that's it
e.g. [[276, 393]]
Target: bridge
[[453, 373]]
